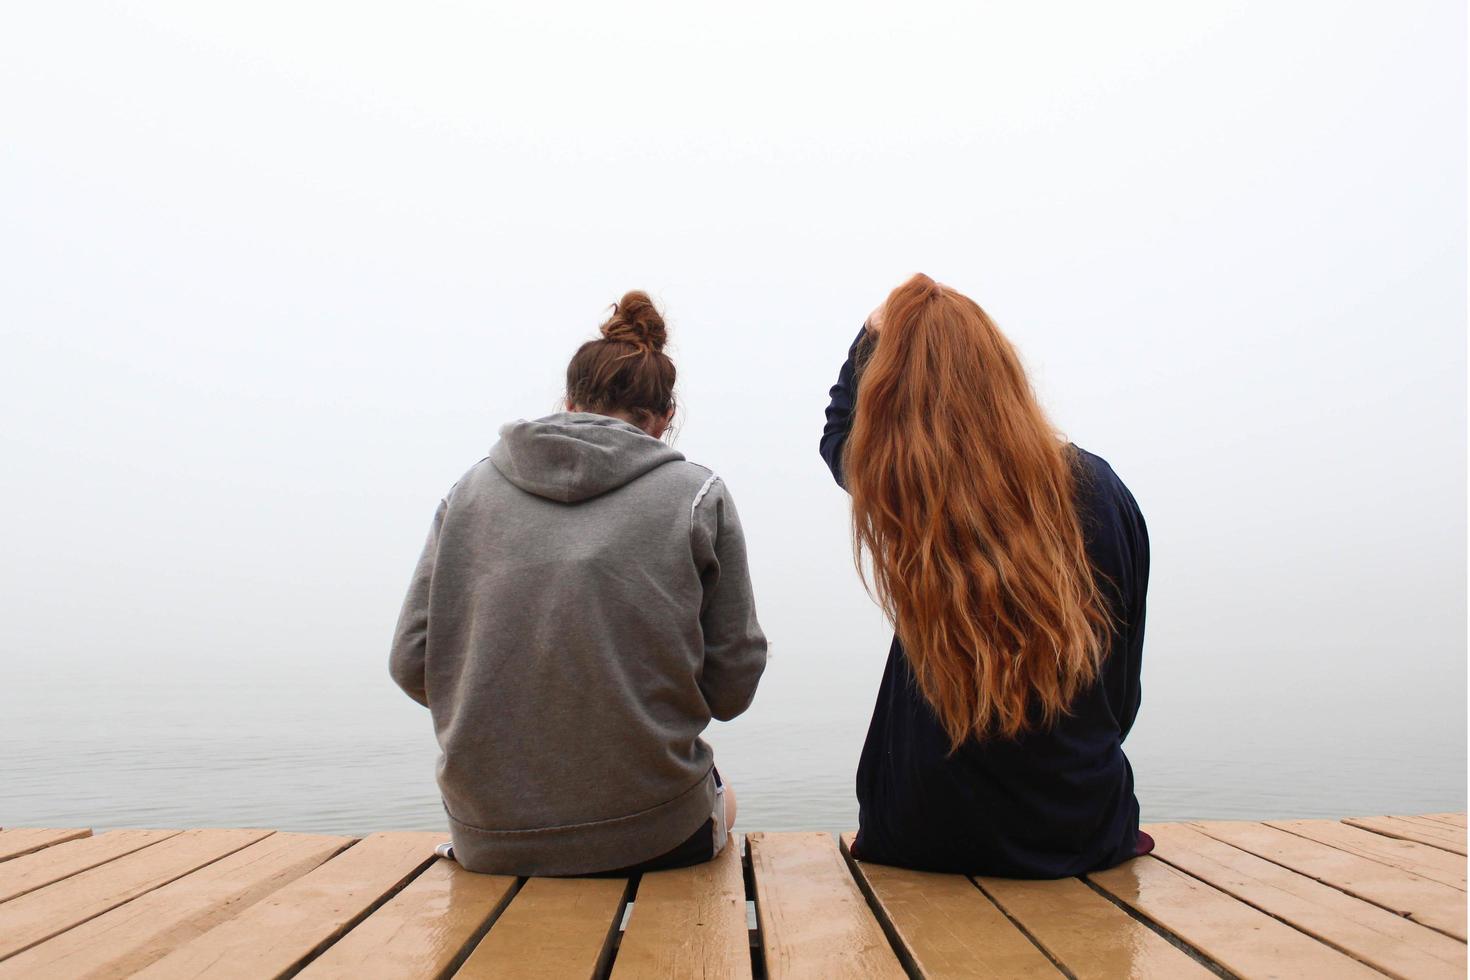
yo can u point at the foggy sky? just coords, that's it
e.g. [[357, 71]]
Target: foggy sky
[[275, 273]]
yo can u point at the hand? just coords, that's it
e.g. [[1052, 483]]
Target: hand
[[875, 320]]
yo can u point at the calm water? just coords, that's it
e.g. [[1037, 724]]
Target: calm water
[[337, 748]]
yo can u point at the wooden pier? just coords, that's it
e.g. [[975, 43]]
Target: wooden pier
[[1362, 897]]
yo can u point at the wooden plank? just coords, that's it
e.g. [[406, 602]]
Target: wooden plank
[[813, 919], [1435, 905], [1419, 829], [423, 931], [1453, 819], [554, 928], [1435, 832], [1376, 936], [943, 926], [1241, 939], [1088, 934], [689, 922], [41, 868], [1447, 836], [24, 840], [46, 912], [123, 941], [1420, 859], [281, 931], [1455, 831], [1434, 822]]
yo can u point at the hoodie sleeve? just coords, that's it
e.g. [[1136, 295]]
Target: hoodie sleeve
[[406, 659], [734, 646], [840, 410]]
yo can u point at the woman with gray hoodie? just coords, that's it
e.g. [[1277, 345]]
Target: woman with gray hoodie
[[582, 609]]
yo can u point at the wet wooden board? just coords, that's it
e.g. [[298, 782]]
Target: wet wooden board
[[1374, 935], [1088, 934], [281, 931], [123, 941], [423, 931], [1429, 902], [1244, 941], [41, 868], [943, 926], [689, 922], [24, 840], [1234, 898], [795, 874], [1420, 859], [554, 928], [46, 912], [1421, 829]]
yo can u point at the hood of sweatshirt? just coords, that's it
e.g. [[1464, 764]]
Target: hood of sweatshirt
[[574, 456]]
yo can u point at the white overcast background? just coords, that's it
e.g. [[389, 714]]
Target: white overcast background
[[273, 274]]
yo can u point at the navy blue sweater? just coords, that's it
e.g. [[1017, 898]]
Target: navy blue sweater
[[1055, 802]]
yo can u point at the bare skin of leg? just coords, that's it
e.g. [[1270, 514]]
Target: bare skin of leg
[[729, 807]]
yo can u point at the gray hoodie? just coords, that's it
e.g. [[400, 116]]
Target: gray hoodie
[[580, 612]]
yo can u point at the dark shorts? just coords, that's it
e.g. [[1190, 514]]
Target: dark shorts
[[697, 848]]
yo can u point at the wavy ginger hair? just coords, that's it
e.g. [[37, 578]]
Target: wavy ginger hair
[[963, 497]]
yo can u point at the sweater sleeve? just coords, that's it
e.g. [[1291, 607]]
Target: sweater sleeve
[[406, 659], [1137, 536], [840, 410], [734, 646]]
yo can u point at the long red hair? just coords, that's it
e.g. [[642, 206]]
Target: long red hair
[[963, 496]]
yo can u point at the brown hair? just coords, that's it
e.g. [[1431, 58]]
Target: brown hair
[[963, 496], [626, 370]]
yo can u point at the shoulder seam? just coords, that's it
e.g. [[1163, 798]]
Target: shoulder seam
[[455, 486], [700, 496]]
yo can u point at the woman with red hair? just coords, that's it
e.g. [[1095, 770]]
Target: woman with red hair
[[1014, 567]]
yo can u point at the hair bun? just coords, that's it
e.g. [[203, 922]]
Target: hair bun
[[636, 321]]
